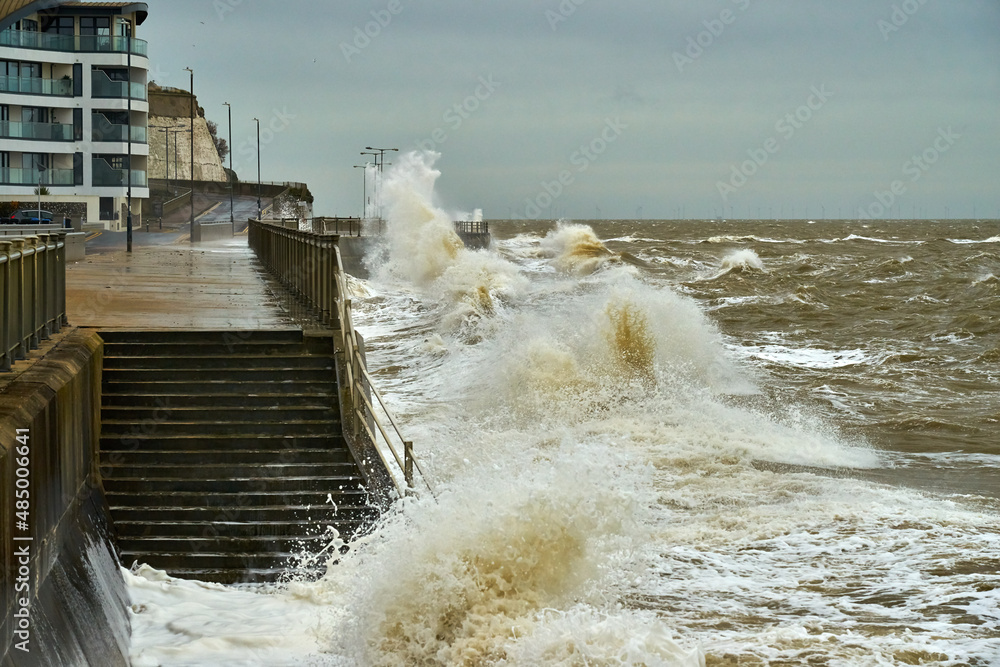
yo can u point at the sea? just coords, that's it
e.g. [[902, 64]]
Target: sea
[[681, 443]]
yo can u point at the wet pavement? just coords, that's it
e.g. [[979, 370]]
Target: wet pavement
[[206, 286]]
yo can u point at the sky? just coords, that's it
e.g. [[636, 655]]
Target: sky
[[626, 109]]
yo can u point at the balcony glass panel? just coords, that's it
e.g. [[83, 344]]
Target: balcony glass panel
[[105, 130], [70, 43], [42, 131], [106, 176], [32, 86], [14, 176], [106, 88]]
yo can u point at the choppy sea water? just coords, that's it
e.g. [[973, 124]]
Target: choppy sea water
[[658, 443]]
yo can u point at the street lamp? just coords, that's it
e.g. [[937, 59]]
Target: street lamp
[[232, 211], [259, 211], [188, 69], [374, 180], [364, 201], [379, 165]]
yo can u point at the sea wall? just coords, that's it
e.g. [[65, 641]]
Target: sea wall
[[65, 602]]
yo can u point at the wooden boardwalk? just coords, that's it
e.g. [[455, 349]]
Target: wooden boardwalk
[[208, 286]]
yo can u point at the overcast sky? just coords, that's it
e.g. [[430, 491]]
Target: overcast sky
[[782, 107]]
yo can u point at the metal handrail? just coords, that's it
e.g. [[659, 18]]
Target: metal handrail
[[32, 293], [310, 265]]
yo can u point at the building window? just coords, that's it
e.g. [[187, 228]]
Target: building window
[[60, 25], [95, 25], [34, 115], [28, 25], [36, 162]]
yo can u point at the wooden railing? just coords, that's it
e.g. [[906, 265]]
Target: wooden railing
[[310, 266], [32, 293]]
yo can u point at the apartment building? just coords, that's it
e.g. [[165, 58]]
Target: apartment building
[[73, 108]]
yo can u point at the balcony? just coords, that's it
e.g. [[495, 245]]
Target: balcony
[[32, 177], [106, 176], [39, 131], [72, 43], [32, 86], [105, 130], [104, 87]]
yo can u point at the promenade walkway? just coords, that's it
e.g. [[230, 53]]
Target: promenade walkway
[[208, 286]]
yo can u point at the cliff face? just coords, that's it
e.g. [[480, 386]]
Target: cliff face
[[170, 110]]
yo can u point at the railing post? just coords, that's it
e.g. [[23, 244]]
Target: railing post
[[408, 463], [29, 293], [6, 321], [61, 315], [18, 316]]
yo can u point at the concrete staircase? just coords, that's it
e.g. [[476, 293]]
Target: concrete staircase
[[222, 453]]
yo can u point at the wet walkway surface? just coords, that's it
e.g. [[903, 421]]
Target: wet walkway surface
[[206, 286]]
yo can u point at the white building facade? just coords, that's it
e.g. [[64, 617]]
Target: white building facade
[[74, 108]]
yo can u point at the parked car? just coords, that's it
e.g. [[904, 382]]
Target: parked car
[[30, 216]]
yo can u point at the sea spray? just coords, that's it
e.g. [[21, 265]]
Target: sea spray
[[424, 250], [576, 249], [469, 579]]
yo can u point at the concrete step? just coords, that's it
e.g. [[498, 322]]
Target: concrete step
[[242, 500], [167, 348], [232, 528], [126, 428], [261, 547], [148, 387], [231, 568], [204, 362], [250, 575], [174, 336], [271, 401], [154, 486], [290, 514], [271, 374], [238, 470], [139, 442], [172, 413], [242, 457]]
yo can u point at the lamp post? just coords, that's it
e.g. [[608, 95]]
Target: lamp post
[[188, 69], [232, 210], [374, 180], [379, 166], [259, 211], [364, 200]]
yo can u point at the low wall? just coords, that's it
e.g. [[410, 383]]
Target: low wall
[[211, 231], [64, 598]]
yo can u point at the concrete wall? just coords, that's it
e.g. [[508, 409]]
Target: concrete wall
[[214, 231], [69, 584]]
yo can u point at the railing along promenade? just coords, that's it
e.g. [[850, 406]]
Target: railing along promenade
[[32, 293], [310, 266]]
